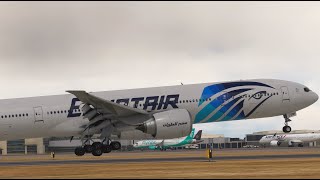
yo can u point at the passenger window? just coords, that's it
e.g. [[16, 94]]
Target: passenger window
[[209, 99], [22, 114], [196, 100], [187, 101], [5, 116], [9, 116], [16, 115], [19, 115], [183, 101]]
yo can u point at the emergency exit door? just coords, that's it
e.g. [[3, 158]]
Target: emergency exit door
[[38, 114], [285, 93]]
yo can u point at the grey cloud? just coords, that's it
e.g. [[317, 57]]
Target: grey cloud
[[49, 47]]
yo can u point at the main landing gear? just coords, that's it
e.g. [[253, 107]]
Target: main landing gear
[[97, 148], [286, 128]]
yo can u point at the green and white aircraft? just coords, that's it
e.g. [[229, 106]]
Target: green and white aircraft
[[170, 143]]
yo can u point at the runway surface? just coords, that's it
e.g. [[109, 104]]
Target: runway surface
[[104, 160]]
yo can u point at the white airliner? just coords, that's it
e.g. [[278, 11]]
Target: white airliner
[[291, 139], [161, 112], [170, 143]]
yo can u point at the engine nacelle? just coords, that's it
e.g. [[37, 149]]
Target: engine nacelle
[[275, 143], [168, 124]]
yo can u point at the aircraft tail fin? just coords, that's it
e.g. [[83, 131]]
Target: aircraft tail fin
[[198, 135], [191, 134]]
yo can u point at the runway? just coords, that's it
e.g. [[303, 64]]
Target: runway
[[162, 159], [227, 163]]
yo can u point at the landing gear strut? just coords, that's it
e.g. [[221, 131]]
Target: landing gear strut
[[97, 148], [286, 128]]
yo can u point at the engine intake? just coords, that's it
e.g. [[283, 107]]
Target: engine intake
[[168, 124]]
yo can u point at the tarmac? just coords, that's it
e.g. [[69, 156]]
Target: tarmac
[[292, 163], [168, 156]]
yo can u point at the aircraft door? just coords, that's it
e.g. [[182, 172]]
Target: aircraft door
[[285, 93], [38, 114]]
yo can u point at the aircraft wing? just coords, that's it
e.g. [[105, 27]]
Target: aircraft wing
[[106, 106], [102, 114]]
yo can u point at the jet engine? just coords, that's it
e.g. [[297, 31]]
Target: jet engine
[[168, 124], [275, 143]]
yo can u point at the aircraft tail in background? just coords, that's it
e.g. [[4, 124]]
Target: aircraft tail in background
[[198, 135]]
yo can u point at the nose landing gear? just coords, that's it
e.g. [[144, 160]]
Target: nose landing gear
[[286, 128]]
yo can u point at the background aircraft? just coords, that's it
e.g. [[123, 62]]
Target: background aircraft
[[170, 143], [290, 139]]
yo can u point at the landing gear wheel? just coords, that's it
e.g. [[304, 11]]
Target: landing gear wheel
[[107, 148], [97, 152], [300, 145], [115, 145], [88, 148], [97, 145], [286, 129], [79, 151]]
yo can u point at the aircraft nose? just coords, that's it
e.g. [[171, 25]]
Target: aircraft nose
[[315, 97]]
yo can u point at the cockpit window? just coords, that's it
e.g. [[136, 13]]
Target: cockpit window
[[306, 89]]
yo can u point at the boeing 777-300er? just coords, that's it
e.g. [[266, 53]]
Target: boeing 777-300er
[[160, 112], [170, 143], [291, 139]]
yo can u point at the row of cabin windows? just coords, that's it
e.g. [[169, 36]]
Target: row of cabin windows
[[203, 100], [61, 112], [14, 115], [78, 110], [26, 115]]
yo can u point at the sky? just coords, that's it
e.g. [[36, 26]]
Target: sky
[[47, 48]]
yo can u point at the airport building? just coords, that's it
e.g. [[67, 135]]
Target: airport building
[[47, 145]]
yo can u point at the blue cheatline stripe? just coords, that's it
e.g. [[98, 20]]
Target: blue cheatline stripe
[[210, 91], [214, 104], [244, 83], [240, 116], [256, 107], [234, 111], [216, 88], [223, 110]]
